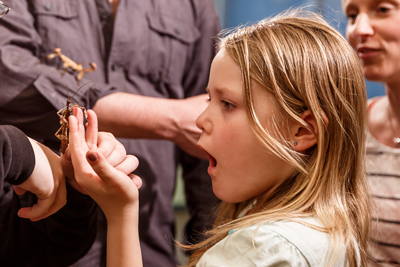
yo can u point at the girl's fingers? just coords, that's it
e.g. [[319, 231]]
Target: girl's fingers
[[117, 156], [137, 180], [107, 173], [107, 143], [77, 144], [77, 112], [92, 129], [128, 165]]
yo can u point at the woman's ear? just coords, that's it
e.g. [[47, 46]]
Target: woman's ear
[[301, 137]]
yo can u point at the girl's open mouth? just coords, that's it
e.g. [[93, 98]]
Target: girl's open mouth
[[211, 159], [213, 162]]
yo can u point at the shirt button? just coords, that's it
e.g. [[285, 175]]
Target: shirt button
[[114, 66], [48, 6], [177, 31], [103, 16]]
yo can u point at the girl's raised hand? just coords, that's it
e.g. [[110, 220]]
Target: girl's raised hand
[[114, 191]]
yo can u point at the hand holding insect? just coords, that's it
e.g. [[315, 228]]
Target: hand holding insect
[[104, 183], [106, 144], [115, 192], [64, 114]]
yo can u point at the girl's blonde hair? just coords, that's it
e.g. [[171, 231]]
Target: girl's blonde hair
[[306, 65]]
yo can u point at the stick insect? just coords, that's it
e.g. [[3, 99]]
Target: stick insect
[[69, 63], [64, 114]]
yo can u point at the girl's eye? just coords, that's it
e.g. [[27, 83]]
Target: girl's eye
[[227, 105]]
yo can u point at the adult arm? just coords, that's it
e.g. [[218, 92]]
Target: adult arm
[[31, 92], [45, 179], [133, 116], [61, 238]]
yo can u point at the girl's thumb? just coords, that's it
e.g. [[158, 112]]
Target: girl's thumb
[[92, 156], [100, 165]]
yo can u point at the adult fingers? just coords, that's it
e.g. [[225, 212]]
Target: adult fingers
[[46, 204], [59, 202], [18, 190], [38, 209], [66, 163]]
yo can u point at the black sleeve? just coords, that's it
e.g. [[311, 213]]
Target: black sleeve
[[17, 159], [58, 240]]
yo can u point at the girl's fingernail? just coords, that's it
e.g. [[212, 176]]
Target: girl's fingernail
[[92, 157]]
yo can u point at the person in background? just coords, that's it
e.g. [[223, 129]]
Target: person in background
[[153, 60], [34, 172], [44, 240], [285, 135], [373, 29]]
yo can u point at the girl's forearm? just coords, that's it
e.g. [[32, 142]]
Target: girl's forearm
[[123, 246]]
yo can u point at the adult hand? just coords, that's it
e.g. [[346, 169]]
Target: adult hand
[[106, 144], [47, 182], [113, 190], [187, 133]]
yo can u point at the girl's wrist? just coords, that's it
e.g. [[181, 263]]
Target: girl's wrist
[[128, 215]]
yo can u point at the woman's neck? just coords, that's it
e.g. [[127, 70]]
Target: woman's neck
[[393, 94], [384, 118]]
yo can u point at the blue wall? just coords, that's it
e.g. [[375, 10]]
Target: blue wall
[[237, 12]]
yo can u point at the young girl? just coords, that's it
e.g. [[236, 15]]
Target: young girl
[[285, 134]]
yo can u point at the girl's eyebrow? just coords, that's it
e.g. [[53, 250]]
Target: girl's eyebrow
[[219, 91]]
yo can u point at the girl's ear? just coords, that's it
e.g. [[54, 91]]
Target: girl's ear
[[301, 137]]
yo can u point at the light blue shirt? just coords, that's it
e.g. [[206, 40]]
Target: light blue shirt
[[278, 244]]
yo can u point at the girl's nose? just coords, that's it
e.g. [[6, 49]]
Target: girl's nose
[[363, 27], [203, 122]]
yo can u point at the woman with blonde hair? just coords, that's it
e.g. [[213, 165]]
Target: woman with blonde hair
[[373, 29], [285, 135]]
